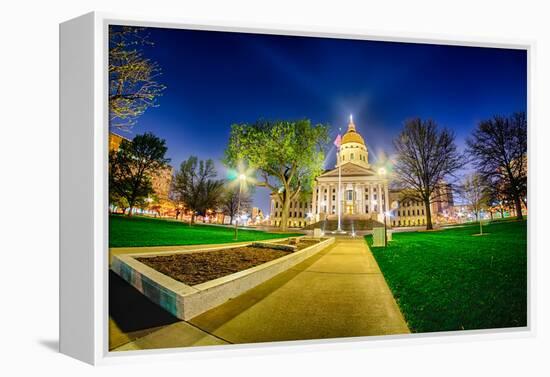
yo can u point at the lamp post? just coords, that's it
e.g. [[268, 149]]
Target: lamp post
[[385, 229], [242, 180], [382, 172]]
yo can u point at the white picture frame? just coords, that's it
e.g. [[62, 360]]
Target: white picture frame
[[84, 199]]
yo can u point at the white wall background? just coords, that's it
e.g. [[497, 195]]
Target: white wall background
[[29, 183]]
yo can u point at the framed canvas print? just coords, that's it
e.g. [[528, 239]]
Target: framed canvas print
[[225, 187]]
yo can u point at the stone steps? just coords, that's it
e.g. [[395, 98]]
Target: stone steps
[[347, 225]]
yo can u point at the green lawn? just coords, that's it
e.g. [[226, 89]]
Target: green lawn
[[142, 231], [451, 280]]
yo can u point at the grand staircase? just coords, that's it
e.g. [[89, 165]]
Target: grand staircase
[[347, 224]]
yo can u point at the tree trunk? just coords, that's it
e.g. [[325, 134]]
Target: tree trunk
[[429, 225], [130, 211], [192, 219], [284, 212], [517, 202]]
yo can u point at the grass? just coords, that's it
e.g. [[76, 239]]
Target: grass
[[451, 280], [143, 231]]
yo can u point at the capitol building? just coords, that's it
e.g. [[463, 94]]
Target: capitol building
[[366, 194]]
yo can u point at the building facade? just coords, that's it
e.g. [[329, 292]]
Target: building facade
[[364, 188], [365, 193], [300, 212]]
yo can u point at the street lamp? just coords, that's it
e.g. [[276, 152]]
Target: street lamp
[[388, 214], [382, 172], [242, 181]]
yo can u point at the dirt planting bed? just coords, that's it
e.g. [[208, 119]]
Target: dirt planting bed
[[200, 267]]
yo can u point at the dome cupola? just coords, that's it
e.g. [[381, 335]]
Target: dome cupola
[[351, 135], [352, 147]]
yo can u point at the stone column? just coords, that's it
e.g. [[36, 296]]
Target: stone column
[[379, 197], [329, 198], [353, 199], [371, 206], [361, 197], [314, 200], [321, 197], [365, 201], [386, 196]]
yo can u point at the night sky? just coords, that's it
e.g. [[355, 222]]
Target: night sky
[[215, 79]]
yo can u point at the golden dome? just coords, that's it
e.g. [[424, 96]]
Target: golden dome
[[351, 136]]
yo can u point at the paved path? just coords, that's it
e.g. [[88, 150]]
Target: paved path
[[339, 292]]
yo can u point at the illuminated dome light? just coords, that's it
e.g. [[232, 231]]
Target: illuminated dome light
[[351, 136], [353, 148]]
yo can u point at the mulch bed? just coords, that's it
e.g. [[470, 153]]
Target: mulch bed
[[305, 243], [200, 267]]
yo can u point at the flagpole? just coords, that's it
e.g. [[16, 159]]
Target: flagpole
[[337, 142], [339, 192]]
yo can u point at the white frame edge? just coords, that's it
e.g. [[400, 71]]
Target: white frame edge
[[84, 201]]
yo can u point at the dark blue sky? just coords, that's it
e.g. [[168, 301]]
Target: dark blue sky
[[215, 79]]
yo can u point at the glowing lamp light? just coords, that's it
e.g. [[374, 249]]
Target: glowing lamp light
[[382, 171]]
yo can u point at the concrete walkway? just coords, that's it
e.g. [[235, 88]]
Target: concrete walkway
[[340, 292]]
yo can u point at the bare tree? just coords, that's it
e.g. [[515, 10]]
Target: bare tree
[[498, 197], [194, 185], [426, 156], [230, 201], [475, 191], [498, 148], [133, 85]]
